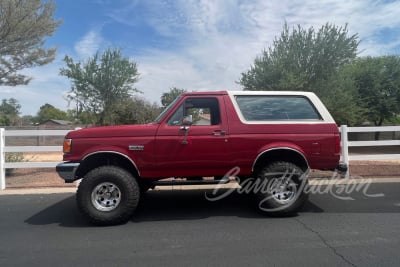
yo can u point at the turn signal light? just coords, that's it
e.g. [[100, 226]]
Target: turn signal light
[[67, 146]]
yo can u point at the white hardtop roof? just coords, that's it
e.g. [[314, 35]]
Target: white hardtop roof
[[271, 93]]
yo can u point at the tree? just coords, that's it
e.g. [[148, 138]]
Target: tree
[[24, 24], [300, 58], [170, 96], [27, 120], [310, 60], [377, 80], [80, 117], [340, 96], [49, 112], [9, 112], [101, 83], [136, 110]]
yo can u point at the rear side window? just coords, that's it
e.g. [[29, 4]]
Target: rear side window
[[280, 108]]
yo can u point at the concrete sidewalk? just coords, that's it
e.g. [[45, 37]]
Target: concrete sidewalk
[[58, 190]]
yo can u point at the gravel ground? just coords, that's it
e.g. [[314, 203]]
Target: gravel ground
[[34, 178], [28, 178], [375, 168], [41, 177]]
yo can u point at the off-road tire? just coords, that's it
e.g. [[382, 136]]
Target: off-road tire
[[108, 195], [283, 191]]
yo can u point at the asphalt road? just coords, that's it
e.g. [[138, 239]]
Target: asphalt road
[[182, 228]]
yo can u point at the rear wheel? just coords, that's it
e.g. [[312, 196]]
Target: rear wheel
[[279, 188], [108, 195]]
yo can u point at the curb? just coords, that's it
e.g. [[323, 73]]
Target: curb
[[61, 190], [37, 191]]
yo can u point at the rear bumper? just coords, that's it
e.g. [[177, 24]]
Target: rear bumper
[[67, 170], [342, 168]]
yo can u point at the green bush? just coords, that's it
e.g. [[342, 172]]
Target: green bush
[[13, 157]]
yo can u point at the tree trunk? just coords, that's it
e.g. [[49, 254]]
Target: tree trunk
[[378, 123]]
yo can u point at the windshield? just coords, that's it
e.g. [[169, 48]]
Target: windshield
[[165, 111]]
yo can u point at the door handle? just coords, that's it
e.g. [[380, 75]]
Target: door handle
[[185, 138], [219, 132]]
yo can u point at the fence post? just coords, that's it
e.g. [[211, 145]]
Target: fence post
[[2, 161], [345, 147]]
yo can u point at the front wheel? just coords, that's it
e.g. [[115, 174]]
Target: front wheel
[[108, 195], [280, 188]]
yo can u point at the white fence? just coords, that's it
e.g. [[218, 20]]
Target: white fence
[[346, 143], [15, 165], [343, 129]]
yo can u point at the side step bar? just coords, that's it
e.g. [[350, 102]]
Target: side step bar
[[191, 182]]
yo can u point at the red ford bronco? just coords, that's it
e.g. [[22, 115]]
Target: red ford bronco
[[271, 139]]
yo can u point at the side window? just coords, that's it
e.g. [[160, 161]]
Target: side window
[[176, 118], [205, 111], [276, 108]]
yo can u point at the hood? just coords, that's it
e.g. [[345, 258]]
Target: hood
[[136, 130]]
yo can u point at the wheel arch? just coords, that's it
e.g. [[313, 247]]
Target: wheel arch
[[280, 154], [104, 158]]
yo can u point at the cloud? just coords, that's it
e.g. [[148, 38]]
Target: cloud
[[199, 67], [366, 18], [206, 44], [220, 39], [89, 44], [47, 86]]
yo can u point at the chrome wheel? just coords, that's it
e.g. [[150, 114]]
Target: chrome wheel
[[106, 196], [284, 190]]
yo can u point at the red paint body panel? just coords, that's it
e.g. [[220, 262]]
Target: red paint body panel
[[208, 152]]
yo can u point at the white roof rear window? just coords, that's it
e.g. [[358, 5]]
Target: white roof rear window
[[276, 108]]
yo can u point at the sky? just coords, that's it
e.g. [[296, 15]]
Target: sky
[[193, 44]]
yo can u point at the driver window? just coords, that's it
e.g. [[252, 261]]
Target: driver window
[[205, 111], [177, 117]]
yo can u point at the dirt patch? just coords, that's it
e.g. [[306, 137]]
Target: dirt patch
[[43, 156], [375, 168], [37, 177], [28, 178]]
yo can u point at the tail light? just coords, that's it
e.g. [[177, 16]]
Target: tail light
[[337, 143]]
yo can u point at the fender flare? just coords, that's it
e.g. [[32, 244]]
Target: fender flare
[[261, 154]]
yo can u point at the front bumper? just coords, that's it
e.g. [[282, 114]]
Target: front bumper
[[67, 170]]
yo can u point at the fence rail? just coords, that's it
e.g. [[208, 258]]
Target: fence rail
[[343, 129], [16, 165], [346, 143]]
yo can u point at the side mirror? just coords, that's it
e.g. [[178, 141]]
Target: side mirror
[[188, 120]]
